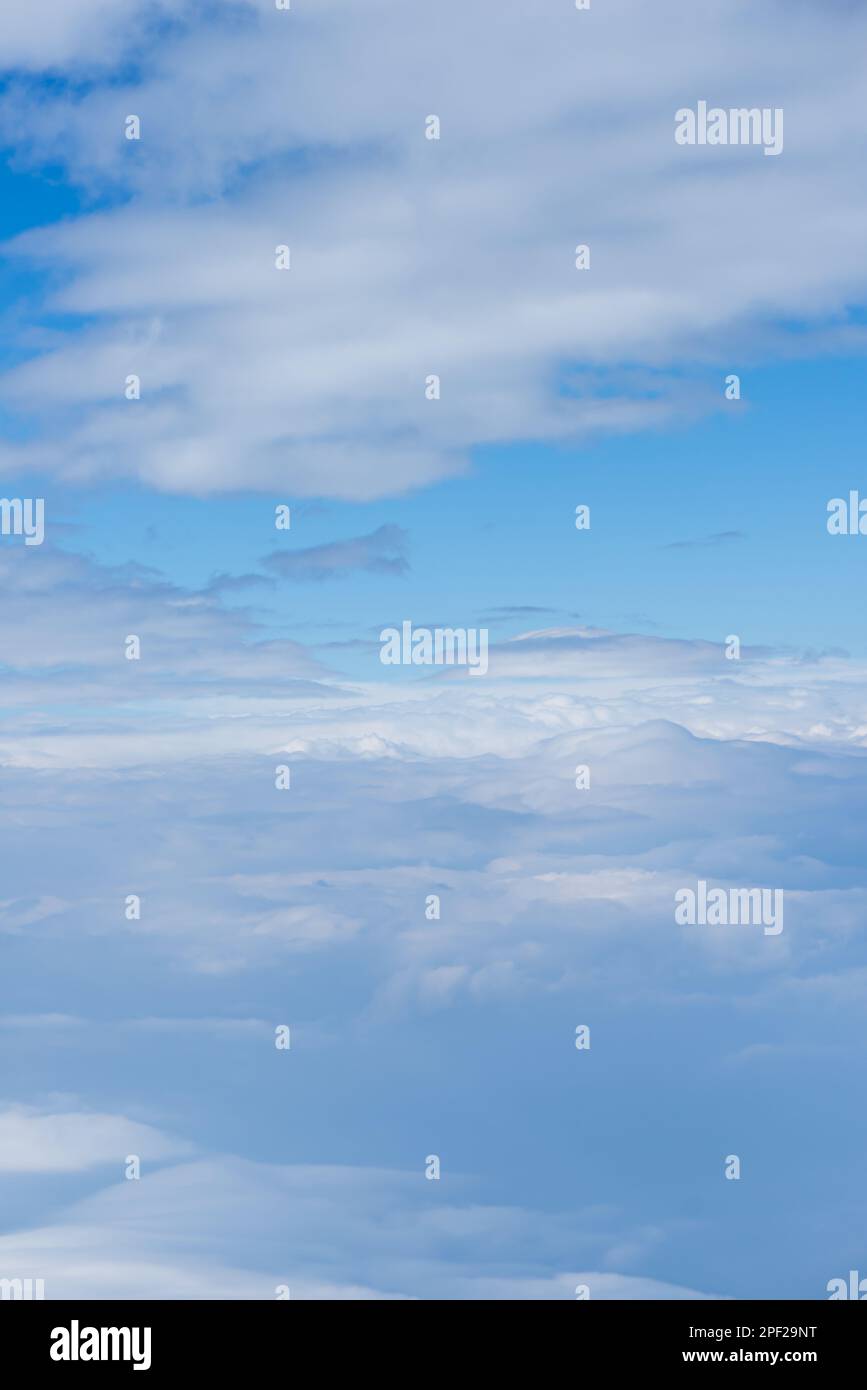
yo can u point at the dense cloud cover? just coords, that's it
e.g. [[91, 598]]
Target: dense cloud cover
[[415, 1034]]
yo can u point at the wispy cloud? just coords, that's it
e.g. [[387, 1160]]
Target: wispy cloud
[[227, 1228], [380, 552], [718, 538], [49, 1141]]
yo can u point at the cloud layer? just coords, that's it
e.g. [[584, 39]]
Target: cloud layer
[[413, 257], [435, 883]]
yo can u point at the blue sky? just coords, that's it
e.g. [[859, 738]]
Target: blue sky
[[260, 648], [745, 549]]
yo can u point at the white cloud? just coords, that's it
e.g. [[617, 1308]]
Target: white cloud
[[223, 1228], [401, 789], [413, 257], [34, 1141], [91, 33], [213, 682]]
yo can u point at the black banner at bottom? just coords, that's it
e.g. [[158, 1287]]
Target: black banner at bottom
[[161, 1339]]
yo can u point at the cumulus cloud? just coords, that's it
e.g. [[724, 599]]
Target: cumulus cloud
[[308, 907], [400, 789]]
